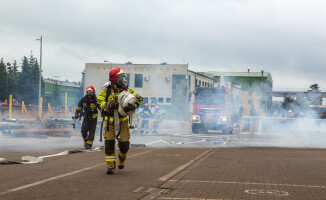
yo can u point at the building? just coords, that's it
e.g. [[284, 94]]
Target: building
[[254, 85], [167, 84], [55, 92]]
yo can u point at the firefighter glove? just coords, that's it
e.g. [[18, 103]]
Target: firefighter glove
[[130, 107], [113, 105]]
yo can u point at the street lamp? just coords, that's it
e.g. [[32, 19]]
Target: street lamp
[[39, 80]]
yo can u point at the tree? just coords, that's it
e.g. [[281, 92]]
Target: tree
[[24, 82], [288, 103], [28, 80], [4, 94], [12, 78], [314, 95]]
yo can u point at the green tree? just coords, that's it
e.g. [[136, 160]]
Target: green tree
[[12, 78], [314, 95], [4, 94], [288, 103], [28, 83], [23, 81]]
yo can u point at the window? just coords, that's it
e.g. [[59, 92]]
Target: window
[[138, 80], [127, 78], [153, 101], [205, 84], [168, 100], [199, 82], [250, 102], [250, 93], [160, 99], [196, 83], [145, 100]]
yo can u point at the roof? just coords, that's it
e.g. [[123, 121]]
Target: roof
[[200, 74], [63, 83], [239, 74], [108, 63]]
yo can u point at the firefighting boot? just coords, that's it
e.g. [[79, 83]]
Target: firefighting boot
[[110, 163], [122, 159], [85, 142], [89, 144]]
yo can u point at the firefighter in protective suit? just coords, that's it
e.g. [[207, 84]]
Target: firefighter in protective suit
[[145, 115], [108, 103], [89, 106], [157, 119]]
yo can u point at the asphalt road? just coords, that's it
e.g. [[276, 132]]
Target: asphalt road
[[172, 165]]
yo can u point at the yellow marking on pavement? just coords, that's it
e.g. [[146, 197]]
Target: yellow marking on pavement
[[250, 183], [61, 176], [182, 167]]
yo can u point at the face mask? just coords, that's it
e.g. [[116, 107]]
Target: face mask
[[89, 93], [120, 81]]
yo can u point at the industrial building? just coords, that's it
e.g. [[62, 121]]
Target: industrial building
[[167, 84], [55, 92], [254, 85]]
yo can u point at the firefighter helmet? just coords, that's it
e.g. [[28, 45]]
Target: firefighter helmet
[[90, 90], [114, 72]]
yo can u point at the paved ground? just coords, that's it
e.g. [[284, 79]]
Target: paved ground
[[179, 166]]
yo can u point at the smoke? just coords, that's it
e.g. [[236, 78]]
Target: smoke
[[37, 144], [305, 131]]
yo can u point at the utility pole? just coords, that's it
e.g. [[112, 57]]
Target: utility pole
[[39, 83], [262, 91]]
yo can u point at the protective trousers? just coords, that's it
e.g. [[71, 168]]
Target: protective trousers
[[145, 126], [155, 126], [123, 142], [88, 130]]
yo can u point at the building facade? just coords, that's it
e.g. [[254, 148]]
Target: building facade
[[167, 84], [255, 87]]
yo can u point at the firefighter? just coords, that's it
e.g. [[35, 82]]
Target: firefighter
[[290, 114], [88, 105], [157, 119], [108, 103], [145, 115], [137, 122]]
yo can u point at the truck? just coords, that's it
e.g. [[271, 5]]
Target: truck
[[317, 111], [216, 108]]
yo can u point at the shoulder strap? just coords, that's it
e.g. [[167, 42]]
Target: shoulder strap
[[108, 92]]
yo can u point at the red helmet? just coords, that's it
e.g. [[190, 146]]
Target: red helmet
[[157, 108], [146, 105], [114, 72], [90, 87]]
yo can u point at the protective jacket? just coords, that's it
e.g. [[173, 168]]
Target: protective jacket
[[146, 114], [89, 107], [157, 116]]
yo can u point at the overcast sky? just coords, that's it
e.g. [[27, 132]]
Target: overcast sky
[[284, 37]]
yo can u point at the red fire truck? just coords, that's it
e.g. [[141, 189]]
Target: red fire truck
[[216, 108]]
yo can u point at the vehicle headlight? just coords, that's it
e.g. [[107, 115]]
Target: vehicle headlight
[[196, 119], [223, 119]]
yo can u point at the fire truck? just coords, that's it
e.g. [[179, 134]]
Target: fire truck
[[216, 108]]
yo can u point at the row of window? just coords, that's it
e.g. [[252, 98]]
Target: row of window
[[203, 83], [157, 100]]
